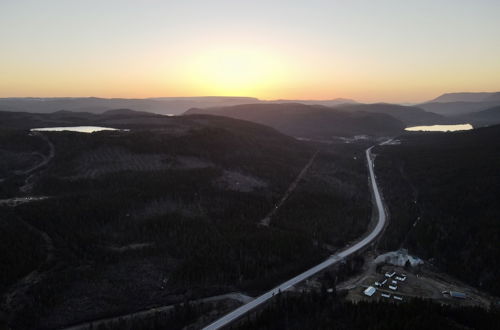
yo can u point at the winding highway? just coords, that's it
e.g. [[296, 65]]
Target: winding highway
[[242, 310]]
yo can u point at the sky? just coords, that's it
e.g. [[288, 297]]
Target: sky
[[370, 51]]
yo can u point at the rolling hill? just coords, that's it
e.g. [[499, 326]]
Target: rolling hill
[[456, 108], [311, 121], [454, 104], [488, 117], [410, 116]]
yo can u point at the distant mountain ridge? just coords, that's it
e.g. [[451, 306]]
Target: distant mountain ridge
[[457, 104], [467, 97], [160, 105], [119, 118], [457, 108]]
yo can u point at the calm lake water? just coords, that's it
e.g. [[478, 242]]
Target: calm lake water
[[440, 128], [81, 129]]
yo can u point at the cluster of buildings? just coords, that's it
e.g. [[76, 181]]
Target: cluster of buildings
[[391, 281]]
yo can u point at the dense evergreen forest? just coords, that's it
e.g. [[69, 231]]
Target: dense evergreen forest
[[322, 310], [443, 192], [159, 216]]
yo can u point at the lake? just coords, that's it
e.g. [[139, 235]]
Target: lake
[[81, 129], [440, 128]]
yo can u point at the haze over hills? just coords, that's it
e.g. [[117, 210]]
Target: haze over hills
[[117, 118], [452, 104], [161, 105], [486, 117], [425, 113], [467, 97], [173, 105], [311, 121], [410, 115], [456, 108]]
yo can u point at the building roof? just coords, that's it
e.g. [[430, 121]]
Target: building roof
[[370, 291], [457, 294]]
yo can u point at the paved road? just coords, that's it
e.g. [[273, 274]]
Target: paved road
[[242, 310]]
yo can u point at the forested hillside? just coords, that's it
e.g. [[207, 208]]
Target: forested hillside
[[442, 191], [167, 213], [322, 310], [312, 121]]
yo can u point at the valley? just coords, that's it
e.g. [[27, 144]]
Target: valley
[[156, 218]]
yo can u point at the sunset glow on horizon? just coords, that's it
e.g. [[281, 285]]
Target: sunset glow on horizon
[[369, 51]]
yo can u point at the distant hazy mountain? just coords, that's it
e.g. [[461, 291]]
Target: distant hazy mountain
[[465, 97], [451, 104], [409, 115], [164, 105], [312, 121], [494, 97], [161, 105], [117, 118], [326, 103], [456, 108]]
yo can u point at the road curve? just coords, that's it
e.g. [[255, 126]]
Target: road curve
[[242, 310]]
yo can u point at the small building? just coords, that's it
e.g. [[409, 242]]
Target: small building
[[400, 278], [369, 291], [398, 298], [383, 282], [394, 282], [393, 287], [386, 295], [456, 294], [389, 275]]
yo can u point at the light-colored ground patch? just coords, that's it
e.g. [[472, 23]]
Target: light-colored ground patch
[[163, 206], [236, 181], [129, 247], [103, 161], [398, 258], [15, 201]]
